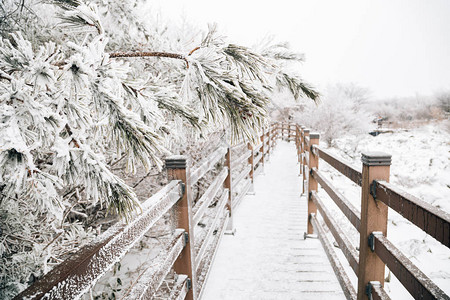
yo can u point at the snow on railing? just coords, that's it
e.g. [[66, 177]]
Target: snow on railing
[[189, 257], [375, 250]]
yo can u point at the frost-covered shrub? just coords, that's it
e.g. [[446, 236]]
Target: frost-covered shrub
[[411, 109], [340, 111], [443, 101]]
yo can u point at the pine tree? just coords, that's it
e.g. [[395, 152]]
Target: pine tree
[[83, 85]]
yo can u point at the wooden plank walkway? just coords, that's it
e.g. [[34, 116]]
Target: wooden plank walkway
[[268, 258]]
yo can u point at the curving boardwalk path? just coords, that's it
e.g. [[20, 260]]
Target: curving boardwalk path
[[268, 258]]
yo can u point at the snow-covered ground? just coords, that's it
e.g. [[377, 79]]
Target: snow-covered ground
[[268, 258], [420, 165]]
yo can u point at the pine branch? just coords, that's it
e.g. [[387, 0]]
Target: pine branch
[[297, 86], [149, 54], [128, 133]]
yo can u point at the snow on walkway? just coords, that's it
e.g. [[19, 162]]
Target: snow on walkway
[[268, 258]]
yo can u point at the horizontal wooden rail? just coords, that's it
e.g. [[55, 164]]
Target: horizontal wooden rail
[[258, 170], [204, 265], [376, 291], [213, 226], [239, 146], [350, 211], [151, 279], [180, 289], [216, 226], [344, 281], [244, 173], [242, 193], [207, 164], [258, 147], [344, 243], [257, 158], [74, 276], [344, 168], [203, 203], [414, 280], [238, 161], [432, 220]]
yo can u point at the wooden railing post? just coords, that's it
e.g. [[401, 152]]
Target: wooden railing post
[[252, 170], [277, 134], [289, 131], [312, 182], [374, 216], [297, 142], [227, 184], [178, 169], [305, 175], [262, 149], [302, 142]]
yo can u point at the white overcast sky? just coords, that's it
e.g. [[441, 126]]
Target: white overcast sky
[[393, 47]]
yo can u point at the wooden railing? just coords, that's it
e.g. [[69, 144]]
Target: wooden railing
[[377, 194], [189, 258]]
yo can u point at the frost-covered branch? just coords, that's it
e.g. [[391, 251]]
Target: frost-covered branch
[[149, 54]]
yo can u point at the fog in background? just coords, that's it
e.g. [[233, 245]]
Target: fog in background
[[395, 48]]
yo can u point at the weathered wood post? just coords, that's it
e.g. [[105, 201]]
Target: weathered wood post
[[298, 138], [282, 130], [178, 169], [297, 144], [302, 150], [374, 216], [262, 149], [305, 174], [277, 135], [289, 131], [227, 184], [252, 170], [312, 182], [273, 135]]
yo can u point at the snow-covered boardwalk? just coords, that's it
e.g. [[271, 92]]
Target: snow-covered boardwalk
[[268, 258]]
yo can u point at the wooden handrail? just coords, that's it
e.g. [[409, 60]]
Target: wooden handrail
[[244, 157], [414, 280], [344, 280], [207, 164], [376, 291], [350, 211], [205, 200], [239, 146], [430, 219], [351, 172], [201, 252], [244, 173], [342, 240], [181, 288], [73, 277], [244, 190], [257, 158], [151, 279], [203, 267], [377, 196]]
